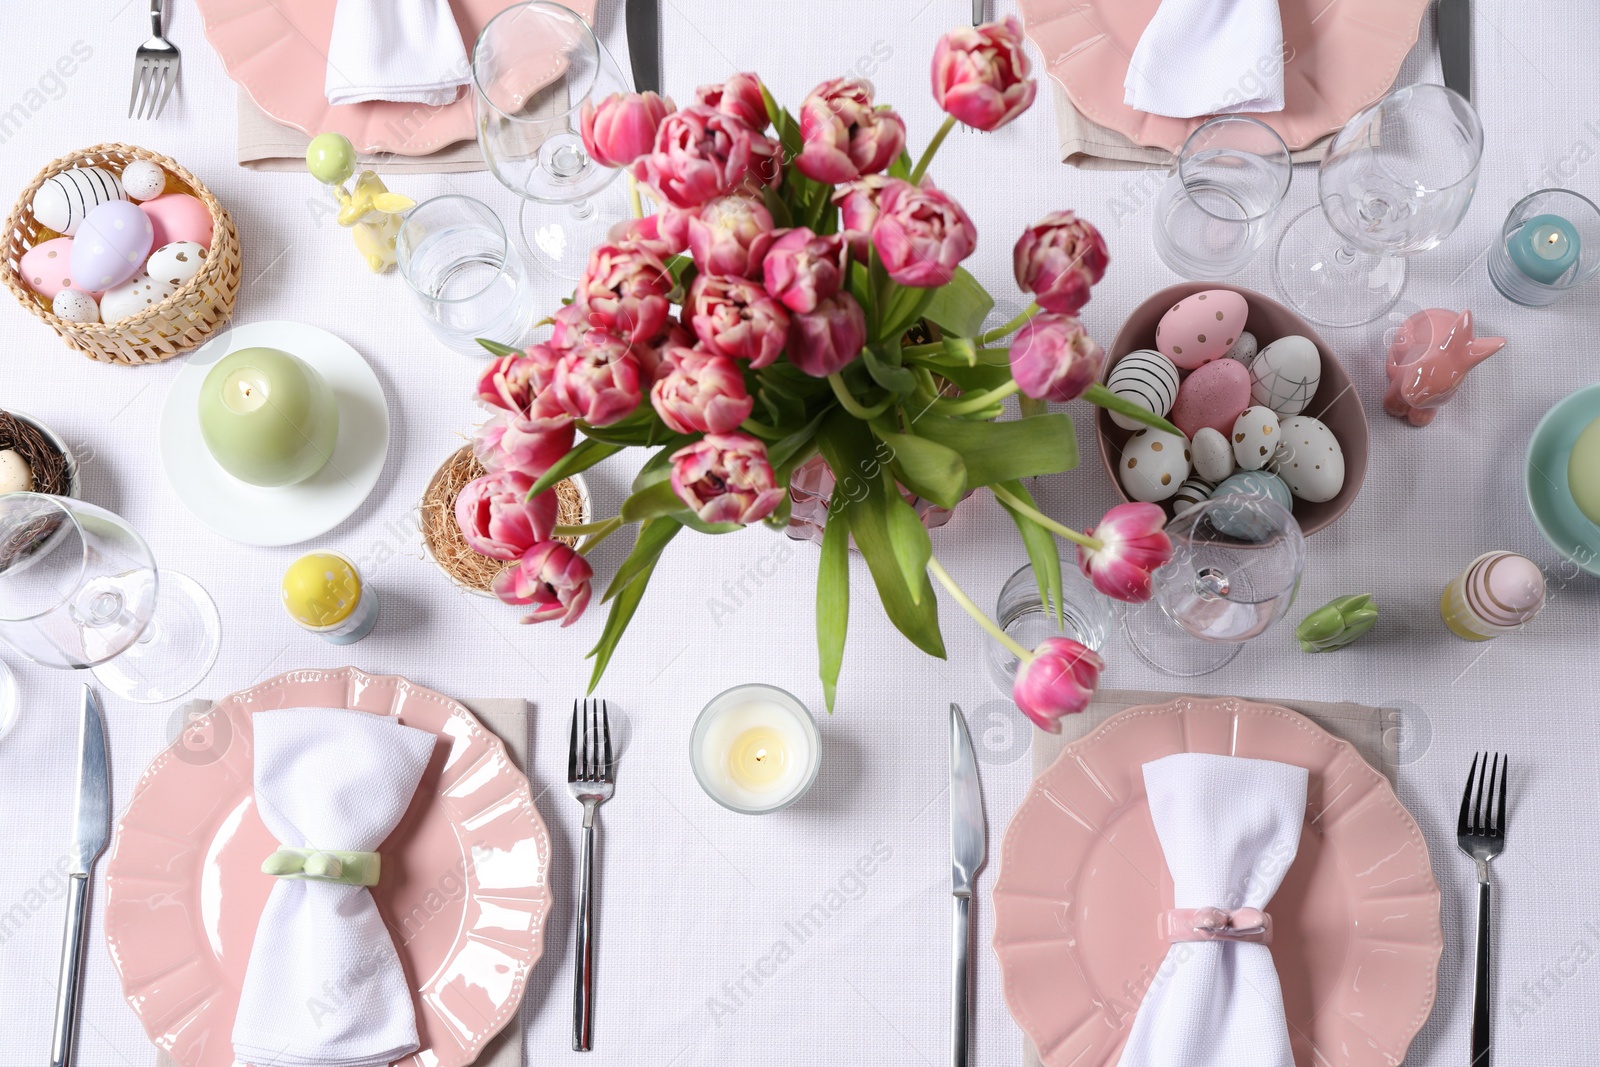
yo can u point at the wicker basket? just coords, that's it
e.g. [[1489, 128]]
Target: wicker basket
[[183, 321]]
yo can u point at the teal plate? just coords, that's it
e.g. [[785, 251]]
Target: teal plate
[[1545, 479]]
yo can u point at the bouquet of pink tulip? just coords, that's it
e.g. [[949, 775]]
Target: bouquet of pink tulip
[[799, 291]]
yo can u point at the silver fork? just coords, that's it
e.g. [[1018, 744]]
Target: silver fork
[[591, 775], [155, 70], [1481, 833]]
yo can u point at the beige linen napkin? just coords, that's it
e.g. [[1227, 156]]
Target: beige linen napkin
[[507, 718], [1375, 733], [267, 145]]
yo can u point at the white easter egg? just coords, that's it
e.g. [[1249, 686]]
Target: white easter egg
[[75, 305], [1284, 375], [1244, 349], [176, 262], [1213, 455], [64, 199], [143, 180], [1154, 464], [1255, 437], [1309, 459], [1148, 379], [1190, 493], [133, 296], [15, 474]]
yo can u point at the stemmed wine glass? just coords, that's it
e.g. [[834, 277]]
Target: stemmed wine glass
[[1396, 181], [534, 67], [1234, 571], [78, 588]]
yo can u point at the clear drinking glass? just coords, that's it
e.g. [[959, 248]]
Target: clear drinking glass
[[534, 67], [1545, 211], [1213, 212], [78, 588], [1024, 615], [468, 278], [1234, 571], [1395, 182]]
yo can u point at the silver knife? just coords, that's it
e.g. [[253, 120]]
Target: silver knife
[[91, 827], [644, 44], [1453, 25], [969, 841]]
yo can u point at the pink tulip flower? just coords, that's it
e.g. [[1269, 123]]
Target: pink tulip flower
[[623, 127], [1058, 259], [663, 234], [803, 269], [496, 518], [980, 74], [625, 292], [552, 576], [570, 324], [511, 382], [527, 445], [858, 212], [700, 392], [1054, 358], [702, 153], [731, 236], [725, 477], [1058, 679], [739, 96], [1134, 546], [921, 235], [598, 381], [736, 317], [843, 136], [828, 339]]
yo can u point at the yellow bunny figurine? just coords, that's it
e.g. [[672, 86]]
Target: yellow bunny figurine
[[372, 213]]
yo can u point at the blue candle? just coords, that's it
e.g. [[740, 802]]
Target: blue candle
[[1544, 248]]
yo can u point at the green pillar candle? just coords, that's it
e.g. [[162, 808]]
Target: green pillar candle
[[268, 417], [1544, 248]]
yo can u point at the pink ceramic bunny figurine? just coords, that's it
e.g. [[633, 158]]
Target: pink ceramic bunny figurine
[[1429, 359]]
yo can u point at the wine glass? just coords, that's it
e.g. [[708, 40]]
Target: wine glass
[[78, 588], [534, 67], [1395, 181], [1234, 571], [1212, 215]]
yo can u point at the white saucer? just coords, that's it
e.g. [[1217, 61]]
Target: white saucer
[[253, 515]]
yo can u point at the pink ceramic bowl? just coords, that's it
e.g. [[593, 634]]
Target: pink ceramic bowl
[[1335, 402]]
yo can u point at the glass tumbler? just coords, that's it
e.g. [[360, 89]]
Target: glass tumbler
[[1549, 245], [1212, 215], [1025, 616], [468, 278]]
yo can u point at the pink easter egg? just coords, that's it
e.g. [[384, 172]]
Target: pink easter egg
[[1214, 395], [1201, 327], [1505, 589], [47, 268], [110, 246], [178, 217]]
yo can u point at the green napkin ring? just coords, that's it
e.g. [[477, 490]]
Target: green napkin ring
[[324, 865]]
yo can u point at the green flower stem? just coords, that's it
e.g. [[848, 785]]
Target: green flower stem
[[854, 406], [1021, 507], [977, 402], [607, 528], [585, 528], [936, 569], [761, 429], [932, 149], [1011, 327]]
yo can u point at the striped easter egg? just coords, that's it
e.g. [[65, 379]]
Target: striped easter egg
[[64, 199], [1147, 378], [1190, 493]]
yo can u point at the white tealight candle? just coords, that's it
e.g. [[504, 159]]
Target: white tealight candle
[[755, 749]]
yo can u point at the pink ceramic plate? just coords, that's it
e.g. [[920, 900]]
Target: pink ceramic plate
[[278, 51], [465, 886], [1339, 56], [1356, 936]]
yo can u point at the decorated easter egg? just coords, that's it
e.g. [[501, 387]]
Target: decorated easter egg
[[1190, 493], [110, 246], [1212, 396], [65, 199], [132, 297], [178, 217], [1213, 455], [143, 180], [1309, 459], [176, 263], [1201, 327], [1284, 375], [75, 305], [1245, 517], [1154, 464], [47, 268], [1147, 378], [15, 474], [1255, 437], [1244, 349]]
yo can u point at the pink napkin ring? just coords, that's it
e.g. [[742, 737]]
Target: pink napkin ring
[[1216, 924]]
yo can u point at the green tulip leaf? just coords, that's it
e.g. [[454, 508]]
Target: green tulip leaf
[[927, 468], [1005, 451], [1100, 396], [622, 609], [498, 349], [654, 500], [585, 454], [886, 373], [960, 306], [833, 596], [1040, 544]]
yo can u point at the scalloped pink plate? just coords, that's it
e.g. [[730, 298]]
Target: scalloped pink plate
[[1340, 56], [465, 887], [1357, 932], [278, 51]]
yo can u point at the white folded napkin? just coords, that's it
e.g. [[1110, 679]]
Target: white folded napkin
[[1229, 829], [408, 51], [1208, 57], [324, 986]]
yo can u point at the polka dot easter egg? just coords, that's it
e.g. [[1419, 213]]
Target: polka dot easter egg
[[47, 268], [132, 297], [111, 245], [1309, 459], [1154, 464], [1212, 396], [65, 200], [1146, 378], [1255, 437], [178, 217], [1284, 376], [176, 263], [1201, 327]]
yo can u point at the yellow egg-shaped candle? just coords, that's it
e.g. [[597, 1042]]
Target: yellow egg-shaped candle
[[323, 592], [1583, 472]]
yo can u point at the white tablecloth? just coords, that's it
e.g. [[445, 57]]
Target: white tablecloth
[[755, 941]]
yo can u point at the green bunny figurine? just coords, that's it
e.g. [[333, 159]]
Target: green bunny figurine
[[1337, 623]]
